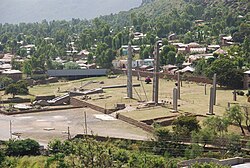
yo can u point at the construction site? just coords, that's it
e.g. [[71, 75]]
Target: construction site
[[124, 105]]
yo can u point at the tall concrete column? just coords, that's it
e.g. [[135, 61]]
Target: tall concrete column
[[156, 73], [211, 102], [129, 73], [214, 87], [175, 100], [179, 85], [234, 95]]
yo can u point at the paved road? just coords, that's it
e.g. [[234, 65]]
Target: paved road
[[246, 165], [34, 125]]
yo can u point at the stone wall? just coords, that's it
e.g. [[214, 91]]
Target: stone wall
[[81, 103], [229, 162], [136, 123], [36, 110], [166, 75]]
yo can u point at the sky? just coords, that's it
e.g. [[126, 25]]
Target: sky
[[16, 11]]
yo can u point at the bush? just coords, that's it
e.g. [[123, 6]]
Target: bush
[[240, 93]]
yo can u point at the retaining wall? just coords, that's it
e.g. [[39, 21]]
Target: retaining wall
[[81, 103], [36, 111], [136, 123], [229, 162]]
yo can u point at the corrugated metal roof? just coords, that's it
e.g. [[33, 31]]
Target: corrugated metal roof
[[77, 72]]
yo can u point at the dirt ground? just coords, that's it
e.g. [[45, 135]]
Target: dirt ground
[[34, 125]]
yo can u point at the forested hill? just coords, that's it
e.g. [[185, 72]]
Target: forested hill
[[152, 10], [179, 16], [16, 11]]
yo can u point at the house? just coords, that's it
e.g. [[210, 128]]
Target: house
[[29, 48], [82, 55], [15, 75], [6, 58], [169, 68], [213, 47], [172, 37], [122, 64], [146, 68], [76, 73], [226, 40], [198, 50], [220, 52], [124, 48], [187, 69], [148, 62], [4, 66], [139, 35], [194, 57]]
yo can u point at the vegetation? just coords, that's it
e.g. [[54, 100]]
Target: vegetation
[[20, 87], [104, 36]]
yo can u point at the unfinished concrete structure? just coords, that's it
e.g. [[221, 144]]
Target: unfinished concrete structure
[[214, 89], [156, 73], [211, 102], [175, 100], [178, 85], [129, 73]]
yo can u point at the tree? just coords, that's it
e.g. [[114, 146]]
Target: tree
[[171, 57], [20, 87], [216, 124], [27, 68], [204, 136], [235, 116], [227, 73], [184, 125], [71, 65], [5, 81], [22, 147]]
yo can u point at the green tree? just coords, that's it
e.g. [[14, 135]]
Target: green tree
[[20, 87], [235, 116], [5, 81], [184, 125], [227, 73], [71, 65], [203, 136], [216, 124], [22, 147], [27, 68]]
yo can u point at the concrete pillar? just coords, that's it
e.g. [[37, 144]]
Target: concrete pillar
[[129, 73], [205, 87], [175, 100], [211, 102], [234, 95], [214, 87], [156, 73], [178, 85]]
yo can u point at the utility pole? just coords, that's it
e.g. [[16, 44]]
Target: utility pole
[[156, 73]]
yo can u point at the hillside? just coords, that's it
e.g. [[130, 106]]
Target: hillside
[[16, 11], [162, 10]]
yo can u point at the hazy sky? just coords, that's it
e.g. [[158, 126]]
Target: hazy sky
[[16, 11]]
